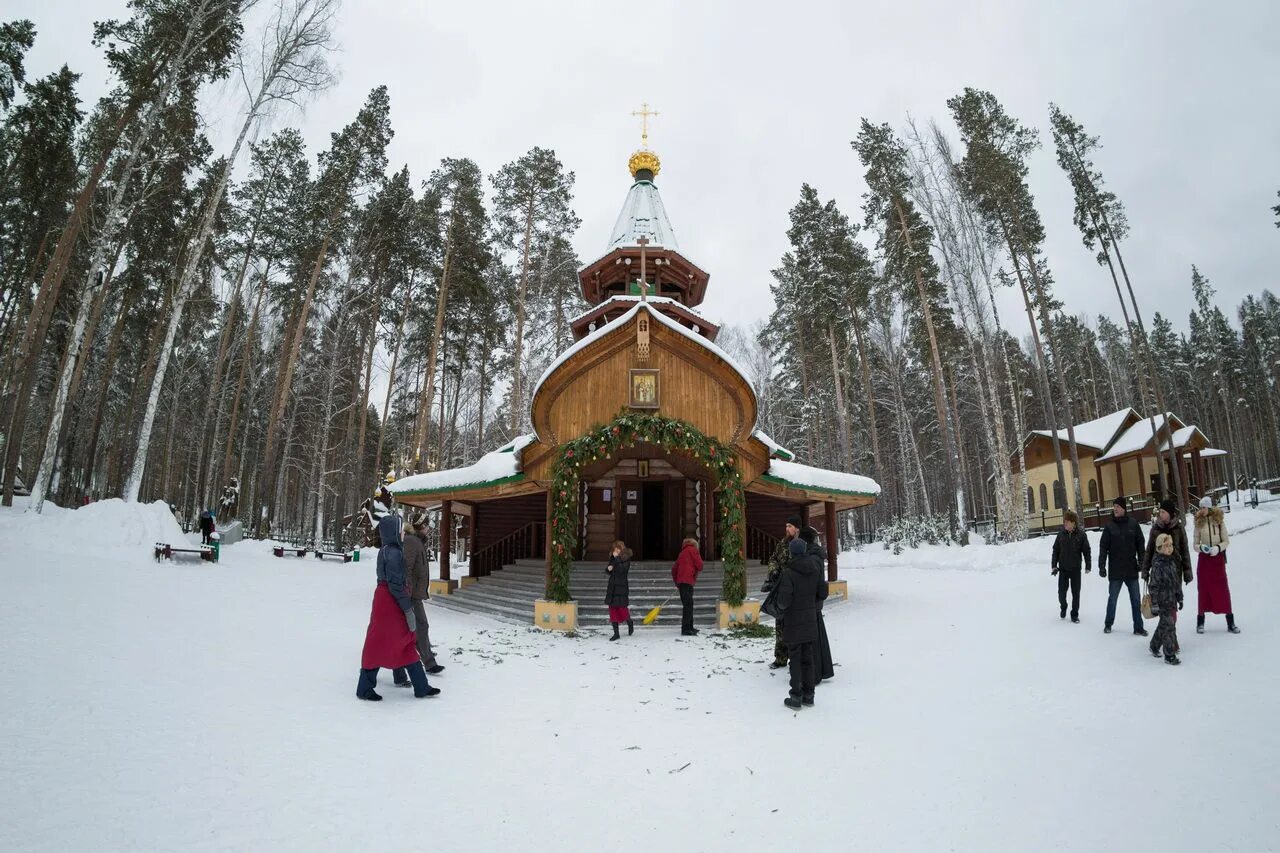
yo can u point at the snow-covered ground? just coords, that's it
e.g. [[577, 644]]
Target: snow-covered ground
[[197, 706]]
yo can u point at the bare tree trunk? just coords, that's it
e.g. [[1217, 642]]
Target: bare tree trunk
[[842, 415], [517, 387], [428, 392]]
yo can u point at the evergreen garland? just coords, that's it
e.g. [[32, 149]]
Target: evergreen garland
[[626, 430]]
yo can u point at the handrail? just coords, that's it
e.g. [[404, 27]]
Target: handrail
[[526, 542], [760, 544]]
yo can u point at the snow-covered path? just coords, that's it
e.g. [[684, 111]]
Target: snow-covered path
[[192, 706]]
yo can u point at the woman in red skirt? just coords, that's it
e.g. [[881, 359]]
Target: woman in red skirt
[[1211, 568], [390, 639], [618, 594]]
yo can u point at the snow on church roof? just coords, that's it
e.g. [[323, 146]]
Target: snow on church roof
[[1097, 433], [643, 215], [627, 299], [497, 466], [805, 476], [775, 449], [622, 321]]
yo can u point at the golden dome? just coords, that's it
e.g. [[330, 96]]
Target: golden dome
[[644, 159]]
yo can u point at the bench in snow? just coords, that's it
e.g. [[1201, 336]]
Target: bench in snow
[[165, 551], [281, 550], [342, 555]]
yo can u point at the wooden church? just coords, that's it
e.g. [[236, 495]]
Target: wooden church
[[646, 399]]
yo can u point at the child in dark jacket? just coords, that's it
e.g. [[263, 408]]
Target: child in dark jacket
[[1166, 599], [1070, 549]]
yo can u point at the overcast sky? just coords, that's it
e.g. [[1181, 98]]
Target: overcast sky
[[756, 98]]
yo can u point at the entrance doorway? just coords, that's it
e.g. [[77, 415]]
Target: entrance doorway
[[651, 517]]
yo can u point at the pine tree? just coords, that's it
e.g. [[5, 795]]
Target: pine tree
[[16, 38], [994, 171], [1102, 222], [906, 241], [531, 205]]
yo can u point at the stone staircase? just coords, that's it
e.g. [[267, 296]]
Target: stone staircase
[[508, 594]]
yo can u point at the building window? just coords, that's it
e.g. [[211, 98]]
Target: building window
[[1044, 498], [1059, 495], [1031, 500], [1093, 491]]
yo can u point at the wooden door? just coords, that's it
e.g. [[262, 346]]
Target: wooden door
[[630, 510], [673, 517]]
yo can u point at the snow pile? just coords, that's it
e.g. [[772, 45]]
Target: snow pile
[[110, 523], [821, 479], [500, 464]]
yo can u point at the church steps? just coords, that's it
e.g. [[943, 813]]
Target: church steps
[[508, 594]]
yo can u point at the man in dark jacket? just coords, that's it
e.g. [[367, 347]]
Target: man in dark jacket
[[1070, 549], [1122, 545], [418, 576], [823, 668], [778, 565], [798, 602], [1169, 521], [207, 527]]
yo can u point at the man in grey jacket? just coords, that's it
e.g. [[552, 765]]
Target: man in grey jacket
[[418, 576]]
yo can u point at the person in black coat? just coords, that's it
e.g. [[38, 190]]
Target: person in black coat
[[618, 593], [798, 602], [206, 527], [1121, 546], [822, 665], [1070, 549]]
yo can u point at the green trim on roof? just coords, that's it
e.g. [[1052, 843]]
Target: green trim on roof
[[784, 454], [501, 481], [770, 478]]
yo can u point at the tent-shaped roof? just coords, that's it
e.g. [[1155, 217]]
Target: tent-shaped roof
[[643, 215]]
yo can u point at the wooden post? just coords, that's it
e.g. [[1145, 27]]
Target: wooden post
[[1142, 477], [473, 571], [833, 544], [1186, 479], [1119, 478], [1202, 473], [446, 538], [549, 536]]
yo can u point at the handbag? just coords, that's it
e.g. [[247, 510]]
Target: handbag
[[1149, 608], [770, 605]]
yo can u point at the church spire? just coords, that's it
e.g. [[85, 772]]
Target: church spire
[[644, 164]]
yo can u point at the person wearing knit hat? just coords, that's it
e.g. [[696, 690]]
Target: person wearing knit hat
[[1213, 593], [1169, 521], [1121, 546]]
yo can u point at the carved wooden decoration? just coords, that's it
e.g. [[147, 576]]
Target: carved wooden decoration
[[642, 337]]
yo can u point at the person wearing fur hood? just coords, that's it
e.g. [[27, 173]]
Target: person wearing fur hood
[[1211, 541]]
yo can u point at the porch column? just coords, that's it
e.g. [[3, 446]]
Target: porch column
[[1142, 477], [833, 545], [1202, 473], [547, 539], [1120, 479], [1186, 480], [446, 537], [473, 569]]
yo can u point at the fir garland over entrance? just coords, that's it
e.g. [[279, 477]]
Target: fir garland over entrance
[[674, 436]]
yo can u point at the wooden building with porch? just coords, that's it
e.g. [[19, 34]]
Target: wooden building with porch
[[647, 393], [1118, 457]]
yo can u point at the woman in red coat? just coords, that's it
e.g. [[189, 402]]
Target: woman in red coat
[[390, 639], [1213, 594], [685, 575]]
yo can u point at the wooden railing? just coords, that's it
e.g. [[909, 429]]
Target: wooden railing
[[528, 541], [760, 544]]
